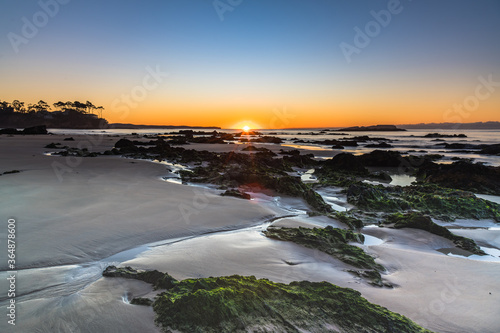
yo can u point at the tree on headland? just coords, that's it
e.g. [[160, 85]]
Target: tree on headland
[[59, 105], [80, 107], [42, 106], [18, 106], [99, 110], [90, 107]]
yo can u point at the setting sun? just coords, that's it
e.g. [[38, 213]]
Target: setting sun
[[246, 128]]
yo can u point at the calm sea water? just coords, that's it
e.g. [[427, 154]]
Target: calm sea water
[[401, 141]]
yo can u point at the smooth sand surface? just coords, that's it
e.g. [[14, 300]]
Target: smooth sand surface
[[102, 205], [108, 204]]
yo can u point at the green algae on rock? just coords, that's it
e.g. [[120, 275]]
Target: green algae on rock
[[418, 221], [246, 304], [441, 203], [332, 241]]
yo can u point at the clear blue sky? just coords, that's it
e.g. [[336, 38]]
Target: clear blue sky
[[265, 54]]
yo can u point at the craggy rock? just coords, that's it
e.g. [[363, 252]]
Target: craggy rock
[[345, 162], [330, 240], [463, 175], [382, 158], [124, 143], [442, 203], [237, 194], [437, 135], [36, 130], [53, 146], [491, 150], [418, 221], [141, 301], [157, 279], [246, 304]]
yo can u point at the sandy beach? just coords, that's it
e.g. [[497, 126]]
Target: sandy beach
[[79, 215]]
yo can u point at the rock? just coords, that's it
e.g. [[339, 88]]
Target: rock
[[437, 135], [69, 139], [419, 221], [237, 194], [379, 145], [141, 301], [382, 158], [491, 150], [36, 130], [53, 146], [124, 143], [157, 279], [238, 304], [9, 131], [332, 241], [463, 175], [345, 162]]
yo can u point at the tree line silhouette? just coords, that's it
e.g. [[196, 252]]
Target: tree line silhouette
[[64, 115]]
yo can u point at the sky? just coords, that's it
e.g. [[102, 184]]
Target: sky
[[261, 63]]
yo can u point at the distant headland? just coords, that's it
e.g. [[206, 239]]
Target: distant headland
[[75, 115], [471, 126], [133, 126]]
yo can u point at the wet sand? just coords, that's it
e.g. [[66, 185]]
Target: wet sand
[[68, 229]]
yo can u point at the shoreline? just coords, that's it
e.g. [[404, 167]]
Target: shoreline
[[225, 253]]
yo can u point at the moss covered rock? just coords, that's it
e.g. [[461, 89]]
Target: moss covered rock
[[330, 240], [441, 203], [246, 304], [418, 221]]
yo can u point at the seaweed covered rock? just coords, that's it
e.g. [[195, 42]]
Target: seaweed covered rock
[[474, 177], [246, 304], [141, 301], [441, 203], [332, 241], [418, 221], [347, 218]]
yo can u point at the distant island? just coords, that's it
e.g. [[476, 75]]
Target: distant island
[[380, 128], [470, 126], [75, 115]]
